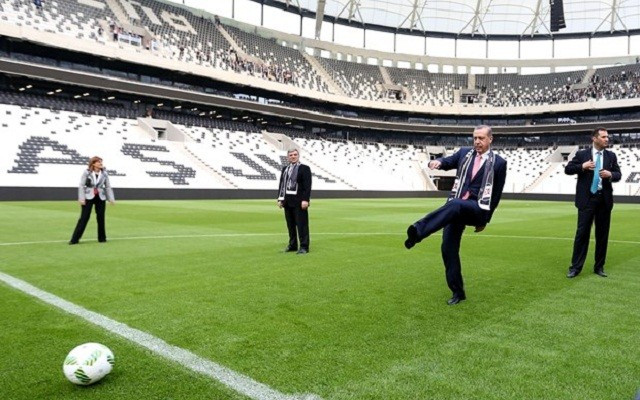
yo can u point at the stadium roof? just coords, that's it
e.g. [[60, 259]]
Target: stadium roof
[[478, 17]]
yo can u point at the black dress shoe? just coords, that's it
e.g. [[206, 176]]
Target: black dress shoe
[[601, 273], [412, 239], [456, 299], [302, 251], [572, 273], [290, 249]]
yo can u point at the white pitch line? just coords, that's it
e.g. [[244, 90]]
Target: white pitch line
[[547, 238], [211, 235], [214, 235], [234, 380]]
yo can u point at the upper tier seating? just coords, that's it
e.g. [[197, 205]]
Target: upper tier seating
[[356, 80], [177, 33], [620, 82], [281, 64], [64, 17], [427, 88], [506, 90], [181, 34]]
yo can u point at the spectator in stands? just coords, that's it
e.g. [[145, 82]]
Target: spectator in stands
[[480, 178], [596, 168], [94, 189], [294, 196]]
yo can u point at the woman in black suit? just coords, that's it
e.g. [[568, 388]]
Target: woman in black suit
[[94, 189]]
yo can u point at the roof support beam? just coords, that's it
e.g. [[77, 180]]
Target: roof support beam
[[476, 20], [537, 21], [354, 8], [295, 3], [319, 17], [415, 16], [613, 16]]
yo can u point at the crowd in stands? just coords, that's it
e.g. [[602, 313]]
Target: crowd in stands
[[276, 73], [195, 39], [614, 83], [275, 62], [506, 90]]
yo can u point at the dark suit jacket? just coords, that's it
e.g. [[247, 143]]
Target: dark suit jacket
[[304, 186], [499, 176], [583, 187]]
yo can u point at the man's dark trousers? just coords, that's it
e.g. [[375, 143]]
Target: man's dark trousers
[[453, 216], [599, 211], [297, 225]]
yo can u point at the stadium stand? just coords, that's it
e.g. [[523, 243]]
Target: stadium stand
[[628, 159], [211, 158], [282, 64], [612, 83], [177, 33], [61, 16], [50, 144], [48, 147], [358, 80], [246, 159], [526, 90], [366, 166], [427, 88], [524, 166], [49, 137]]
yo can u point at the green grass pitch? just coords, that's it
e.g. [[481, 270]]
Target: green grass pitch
[[359, 317]]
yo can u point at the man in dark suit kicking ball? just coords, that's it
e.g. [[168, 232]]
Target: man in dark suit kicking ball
[[294, 195], [596, 168], [475, 195]]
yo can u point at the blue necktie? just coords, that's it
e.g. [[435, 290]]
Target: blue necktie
[[596, 174]]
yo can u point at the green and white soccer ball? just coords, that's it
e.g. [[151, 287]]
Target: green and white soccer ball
[[88, 363]]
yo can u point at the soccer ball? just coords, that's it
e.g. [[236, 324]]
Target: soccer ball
[[88, 363]]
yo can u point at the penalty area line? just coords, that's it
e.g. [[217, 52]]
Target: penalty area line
[[234, 380]]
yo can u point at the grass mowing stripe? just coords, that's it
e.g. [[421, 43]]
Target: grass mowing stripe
[[214, 235], [234, 380]]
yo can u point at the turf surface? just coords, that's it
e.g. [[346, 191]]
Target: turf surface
[[359, 317]]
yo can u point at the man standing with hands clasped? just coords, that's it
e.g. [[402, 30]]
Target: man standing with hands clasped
[[596, 168], [475, 195], [294, 195]]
